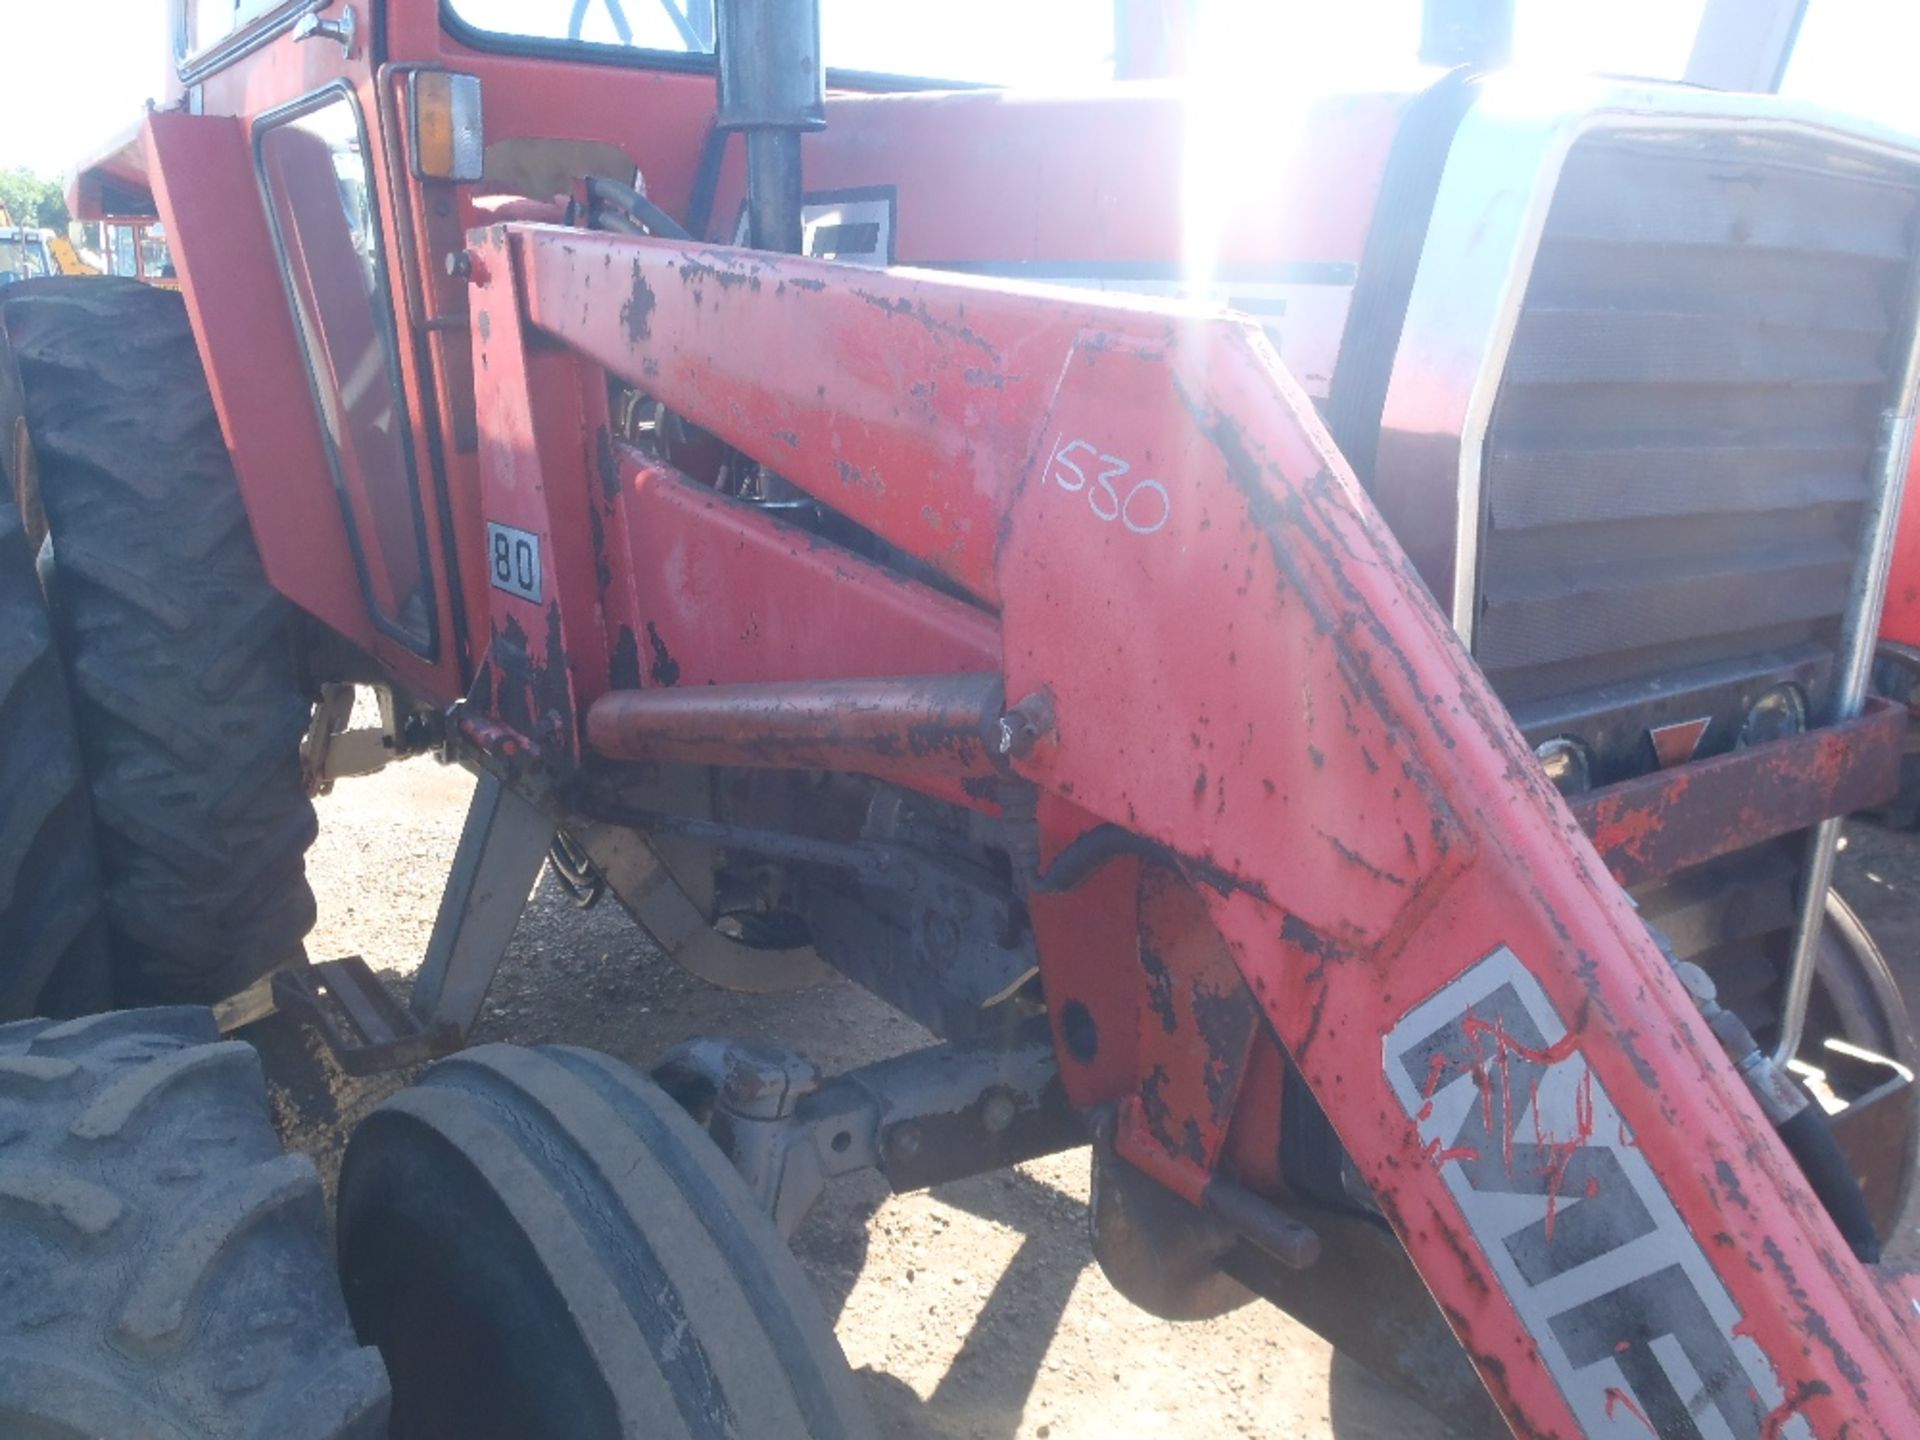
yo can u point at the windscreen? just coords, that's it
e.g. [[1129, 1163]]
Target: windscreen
[[987, 42], [23, 257]]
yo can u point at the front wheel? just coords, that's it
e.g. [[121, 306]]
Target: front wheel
[[542, 1244], [164, 1271]]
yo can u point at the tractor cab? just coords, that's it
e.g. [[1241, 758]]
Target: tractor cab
[[1309, 622], [24, 254], [135, 248]]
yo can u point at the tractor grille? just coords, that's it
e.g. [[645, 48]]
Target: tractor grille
[[1676, 468], [1680, 448]]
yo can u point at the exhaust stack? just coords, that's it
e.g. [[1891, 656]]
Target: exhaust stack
[[773, 86], [1477, 33]]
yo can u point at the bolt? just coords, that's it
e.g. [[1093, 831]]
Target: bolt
[[904, 1141], [1697, 984], [1022, 727], [467, 266]]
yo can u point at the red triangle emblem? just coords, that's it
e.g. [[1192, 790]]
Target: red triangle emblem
[[1675, 744]]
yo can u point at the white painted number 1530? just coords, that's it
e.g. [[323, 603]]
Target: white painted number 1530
[[1113, 492]]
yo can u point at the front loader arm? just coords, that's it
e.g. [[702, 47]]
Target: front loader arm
[[1210, 641]]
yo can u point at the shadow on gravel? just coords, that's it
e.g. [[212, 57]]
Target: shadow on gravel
[[588, 979]]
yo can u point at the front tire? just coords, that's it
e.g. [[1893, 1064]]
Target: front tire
[[164, 1270], [189, 708], [543, 1244]]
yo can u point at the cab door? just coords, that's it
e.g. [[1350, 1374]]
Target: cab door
[[320, 169], [302, 78], [318, 174]]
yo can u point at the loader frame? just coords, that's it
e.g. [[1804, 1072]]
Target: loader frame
[[1210, 646], [1118, 596]]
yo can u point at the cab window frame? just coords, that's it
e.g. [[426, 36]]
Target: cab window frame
[[687, 62], [427, 646], [272, 19]]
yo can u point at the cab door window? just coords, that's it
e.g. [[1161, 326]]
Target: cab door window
[[204, 23], [318, 178], [123, 256]]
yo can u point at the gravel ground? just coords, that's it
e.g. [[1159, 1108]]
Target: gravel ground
[[973, 1312]]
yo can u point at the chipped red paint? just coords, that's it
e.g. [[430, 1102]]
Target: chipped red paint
[[1618, 1399], [1505, 1048], [1196, 1032], [1659, 823], [1244, 672], [1089, 943]]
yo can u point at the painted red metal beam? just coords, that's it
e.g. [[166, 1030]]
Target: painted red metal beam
[[1649, 827], [937, 724]]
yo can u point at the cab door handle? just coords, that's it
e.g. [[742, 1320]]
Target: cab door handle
[[312, 27]]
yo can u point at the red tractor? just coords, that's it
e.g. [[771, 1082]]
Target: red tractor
[[1366, 758]]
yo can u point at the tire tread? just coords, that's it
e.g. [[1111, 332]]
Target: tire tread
[[167, 1274], [189, 708], [53, 919]]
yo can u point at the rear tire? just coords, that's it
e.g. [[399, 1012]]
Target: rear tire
[[53, 926], [164, 1271], [543, 1245], [186, 694]]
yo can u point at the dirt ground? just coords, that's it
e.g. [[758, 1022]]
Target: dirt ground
[[973, 1312]]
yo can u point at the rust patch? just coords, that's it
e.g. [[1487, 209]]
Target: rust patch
[[1653, 825]]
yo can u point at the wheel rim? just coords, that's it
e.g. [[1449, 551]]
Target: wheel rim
[[1857, 999], [450, 1330], [543, 1245]]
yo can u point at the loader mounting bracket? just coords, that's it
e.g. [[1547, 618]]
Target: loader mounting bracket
[[362, 1025], [920, 1119]]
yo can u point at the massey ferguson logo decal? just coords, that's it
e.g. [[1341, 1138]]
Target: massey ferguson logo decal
[[1631, 1320], [1677, 743]]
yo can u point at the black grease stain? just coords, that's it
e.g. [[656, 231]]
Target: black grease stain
[[637, 314], [602, 567], [552, 694], [513, 697], [623, 665], [665, 670], [1226, 1030], [1159, 988], [607, 464]]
